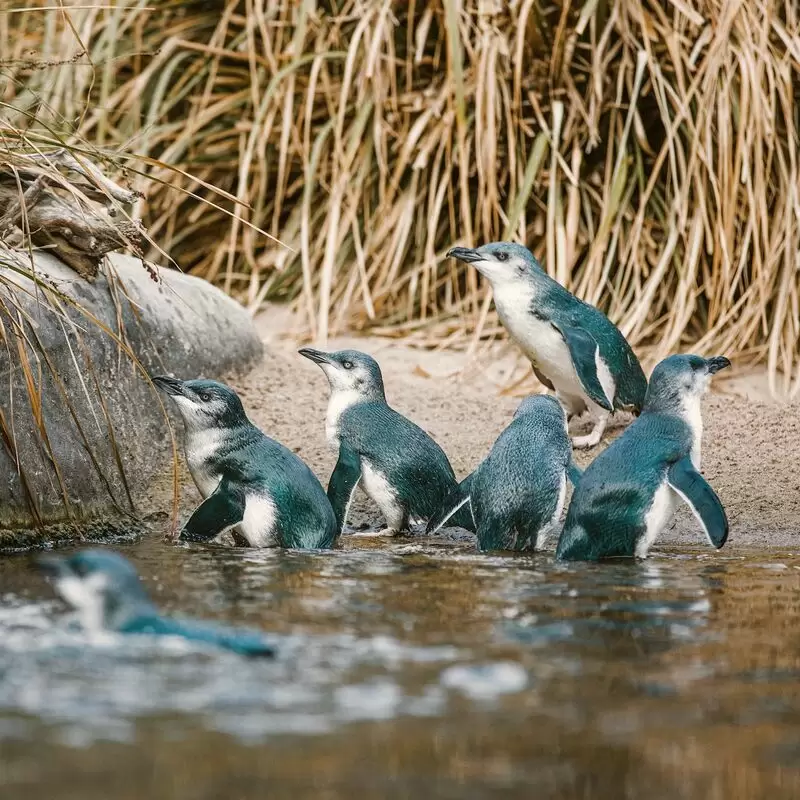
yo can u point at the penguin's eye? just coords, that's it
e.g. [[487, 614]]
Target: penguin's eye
[[347, 364], [205, 396], [501, 255]]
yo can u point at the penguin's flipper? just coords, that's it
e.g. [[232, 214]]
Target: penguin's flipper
[[457, 499], [701, 498], [574, 472], [221, 510], [344, 479], [584, 350]]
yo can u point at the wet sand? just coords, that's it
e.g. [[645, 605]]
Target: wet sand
[[750, 447]]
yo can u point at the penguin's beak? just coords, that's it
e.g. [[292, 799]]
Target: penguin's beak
[[465, 254], [717, 363], [317, 356], [170, 386]]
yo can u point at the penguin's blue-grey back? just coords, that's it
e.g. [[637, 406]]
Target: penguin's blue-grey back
[[411, 460], [238, 640], [607, 512], [516, 487], [305, 516], [567, 310]]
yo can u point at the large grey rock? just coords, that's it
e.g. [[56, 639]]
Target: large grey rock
[[92, 450]]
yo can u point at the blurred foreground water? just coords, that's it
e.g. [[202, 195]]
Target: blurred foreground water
[[410, 668]]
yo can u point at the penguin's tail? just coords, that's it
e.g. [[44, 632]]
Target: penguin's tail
[[455, 509]]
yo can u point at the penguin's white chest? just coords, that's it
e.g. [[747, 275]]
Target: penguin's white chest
[[543, 534], [693, 416], [259, 522], [543, 344], [376, 485], [259, 525], [657, 516], [539, 340], [380, 491], [339, 402], [201, 448]]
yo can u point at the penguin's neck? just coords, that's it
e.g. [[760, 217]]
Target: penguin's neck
[[203, 445], [340, 401], [97, 610], [128, 614], [86, 597], [523, 309], [692, 413], [513, 300]]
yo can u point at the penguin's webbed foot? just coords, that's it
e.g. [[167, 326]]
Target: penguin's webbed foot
[[591, 439], [394, 532], [588, 441], [387, 532]]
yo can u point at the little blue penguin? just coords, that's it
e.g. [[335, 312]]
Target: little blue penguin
[[628, 493], [574, 349], [517, 492], [105, 590], [252, 485], [403, 471]]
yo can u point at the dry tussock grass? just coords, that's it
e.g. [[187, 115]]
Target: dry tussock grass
[[646, 150]]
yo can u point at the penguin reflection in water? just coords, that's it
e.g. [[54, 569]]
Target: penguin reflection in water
[[106, 592], [403, 471], [628, 493], [252, 485], [517, 493]]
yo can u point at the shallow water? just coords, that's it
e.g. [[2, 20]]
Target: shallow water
[[414, 670]]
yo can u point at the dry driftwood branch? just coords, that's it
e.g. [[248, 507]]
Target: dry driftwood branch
[[69, 163], [55, 200]]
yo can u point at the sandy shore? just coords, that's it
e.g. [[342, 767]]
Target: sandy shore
[[750, 446]]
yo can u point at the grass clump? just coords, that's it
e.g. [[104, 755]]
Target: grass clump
[[645, 150]]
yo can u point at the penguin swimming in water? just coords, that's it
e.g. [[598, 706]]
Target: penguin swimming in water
[[403, 471], [573, 347], [517, 492], [106, 592], [251, 485], [628, 493]]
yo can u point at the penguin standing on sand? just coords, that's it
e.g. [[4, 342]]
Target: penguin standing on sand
[[573, 347], [403, 471], [517, 492], [105, 590], [628, 493], [252, 485]]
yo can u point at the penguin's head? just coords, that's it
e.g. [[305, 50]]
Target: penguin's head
[[681, 378], [349, 371], [541, 404], [204, 404], [500, 262], [100, 585]]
